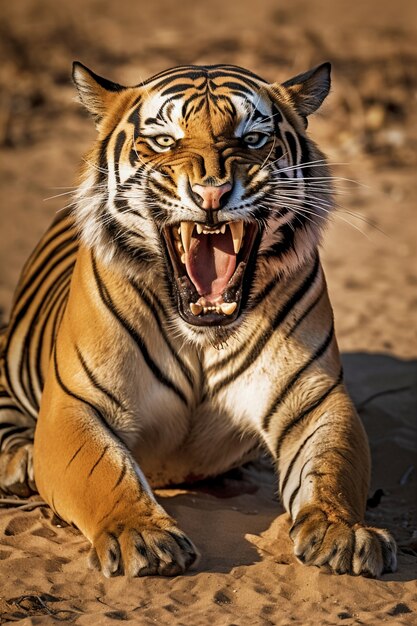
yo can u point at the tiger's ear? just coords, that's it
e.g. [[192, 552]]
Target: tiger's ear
[[96, 93], [307, 91]]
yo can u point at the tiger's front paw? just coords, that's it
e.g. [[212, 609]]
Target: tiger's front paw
[[142, 549], [345, 549]]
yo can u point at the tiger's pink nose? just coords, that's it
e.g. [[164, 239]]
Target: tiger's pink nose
[[210, 195]]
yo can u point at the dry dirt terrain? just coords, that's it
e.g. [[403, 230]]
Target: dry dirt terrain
[[368, 128]]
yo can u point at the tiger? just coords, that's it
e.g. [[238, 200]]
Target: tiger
[[174, 323]]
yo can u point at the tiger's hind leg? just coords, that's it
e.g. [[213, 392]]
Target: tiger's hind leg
[[16, 447]]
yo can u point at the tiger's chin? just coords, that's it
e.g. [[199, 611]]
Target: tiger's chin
[[212, 269]]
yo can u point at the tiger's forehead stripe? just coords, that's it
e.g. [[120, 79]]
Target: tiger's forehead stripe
[[249, 82], [194, 71]]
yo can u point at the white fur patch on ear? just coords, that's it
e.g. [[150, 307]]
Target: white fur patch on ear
[[307, 91], [95, 92]]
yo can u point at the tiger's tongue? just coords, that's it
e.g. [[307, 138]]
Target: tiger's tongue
[[210, 264]]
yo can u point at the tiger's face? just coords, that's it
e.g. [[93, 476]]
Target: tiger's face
[[206, 176]]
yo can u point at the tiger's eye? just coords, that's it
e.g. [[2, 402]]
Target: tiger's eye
[[255, 140], [164, 141]]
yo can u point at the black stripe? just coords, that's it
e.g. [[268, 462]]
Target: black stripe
[[135, 336], [159, 187], [74, 456], [307, 311], [44, 267], [118, 147], [281, 397], [20, 316], [13, 429], [188, 102], [10, 407], [277, 117], [193, 73], [60, 309], [295, 492], [10, 425], [27, 352], [278, 319], [292, 145], [119, 236], [235, 87], [287, 231], [96, 411], [295, 457], [65, 279], [113, 507], [96, 383], [49, 236], [134, 117], [102, 159], [285, 432], [151, 306], [98, 460], [317, 473], [243, 76], [177, 88], [121, 476]]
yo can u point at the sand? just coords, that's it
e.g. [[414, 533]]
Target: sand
[[368, 127]]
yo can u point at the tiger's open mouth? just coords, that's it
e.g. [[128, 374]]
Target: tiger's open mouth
[[210, 264]]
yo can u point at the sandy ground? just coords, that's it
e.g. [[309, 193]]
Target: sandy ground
[[368, 127]]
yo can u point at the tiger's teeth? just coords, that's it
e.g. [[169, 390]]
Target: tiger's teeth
[[199, 228], [236, 229], [228, 307], [183, 258], [223, 229], [195, 308], [186, 232]]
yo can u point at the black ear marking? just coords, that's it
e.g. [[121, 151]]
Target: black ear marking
[[308, 90], [95, 92], [108, 85]]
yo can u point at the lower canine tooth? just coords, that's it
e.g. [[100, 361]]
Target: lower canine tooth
[[195, 308], [228, 307]]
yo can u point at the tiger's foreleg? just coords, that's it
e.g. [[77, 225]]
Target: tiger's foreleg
[[87, 475], [324, 466]]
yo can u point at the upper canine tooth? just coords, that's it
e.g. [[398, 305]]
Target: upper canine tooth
[[228, 307], [186, 234], [236, 229]]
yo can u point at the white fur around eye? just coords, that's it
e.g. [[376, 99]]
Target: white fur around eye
[[161, 143], [255, 140]]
